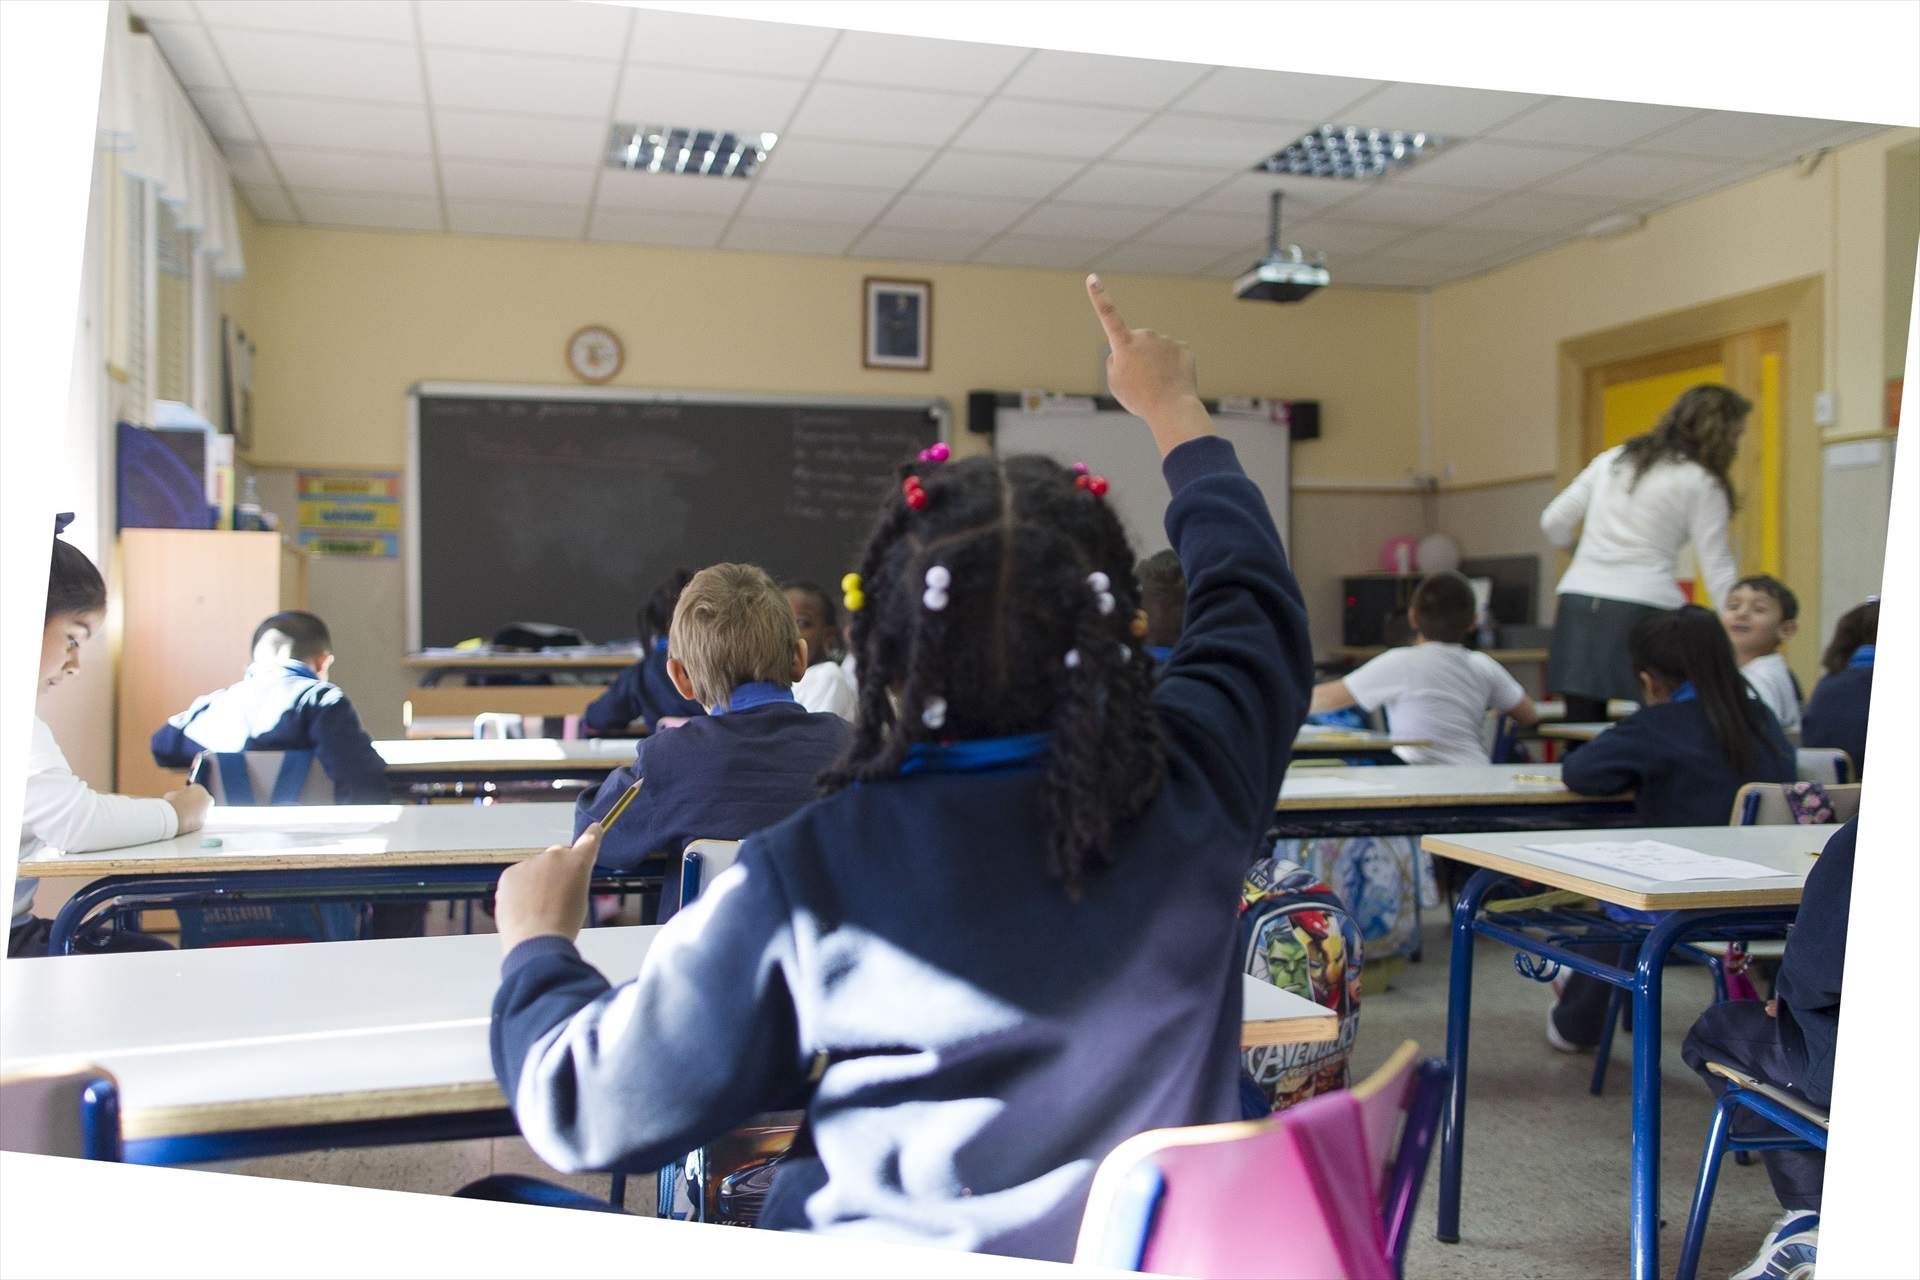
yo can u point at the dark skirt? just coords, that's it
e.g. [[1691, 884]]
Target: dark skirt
[[1589, 656]]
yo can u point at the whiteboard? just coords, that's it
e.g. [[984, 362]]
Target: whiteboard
[[1118, 445]]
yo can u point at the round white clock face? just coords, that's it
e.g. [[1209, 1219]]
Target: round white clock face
[[594, 354]]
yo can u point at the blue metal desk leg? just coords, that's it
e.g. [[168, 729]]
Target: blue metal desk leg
[[1647, 984], [1459, 1007]]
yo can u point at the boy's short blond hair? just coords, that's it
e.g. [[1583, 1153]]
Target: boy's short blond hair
[[732, 626]]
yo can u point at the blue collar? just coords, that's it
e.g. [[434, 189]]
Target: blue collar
[[1685, 693], [660, 644], [977, 755], [755, 693], [1158, 652], [1862, 657]]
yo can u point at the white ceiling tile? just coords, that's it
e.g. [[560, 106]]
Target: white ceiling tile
[[1538, 214], [330, 208], [1491, 165], [341, 126], [980, 173], [1590, 122], [881, 115], [525, 183], [1249, 194], [929, 246], [1158, 259], [1066, 253], [520, 82], [671, 192], [362, 171], [1147, 187], [1458, 244], [594, 31], [282, 62], [1702, 186], [497, 135], [553, 221], [1392, 273], [1628, 175], [249, 163], [913, 62], [1388, 201], [787, 202], [1337, 238], [151, 11], [690, 230], [269, 204], [1048, 128], [224, 115], [1273, 95], [356, 19], [1093, 222], [756, 236], [929, 212], [1233, 266], [1730, 136], [1202, 227], [727, 44], [1208, 142], [707, 99], [1441, 109], [189, 51], [1097, 78], [856, 164]]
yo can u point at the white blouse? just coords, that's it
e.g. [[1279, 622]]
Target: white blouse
[[1630, 547]]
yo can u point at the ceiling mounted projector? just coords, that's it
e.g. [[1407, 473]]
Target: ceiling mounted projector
[[1287, 274]]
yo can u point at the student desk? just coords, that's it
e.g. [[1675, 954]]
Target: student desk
[[1426, 799], [1698, 909], [1575, 730], [422, 763], [430, 699], [1355, 744], [231, 1053]]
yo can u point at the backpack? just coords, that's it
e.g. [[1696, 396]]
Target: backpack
[[1296, 934]]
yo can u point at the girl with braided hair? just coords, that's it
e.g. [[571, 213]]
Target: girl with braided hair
[[1002, 943]]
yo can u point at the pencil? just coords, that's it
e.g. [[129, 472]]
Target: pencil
[[620, 805]]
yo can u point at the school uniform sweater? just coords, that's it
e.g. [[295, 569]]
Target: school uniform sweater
[[280, 706], [644, 691], [1816, 955], [1668, 757], [1836, 715], [982, 1039]]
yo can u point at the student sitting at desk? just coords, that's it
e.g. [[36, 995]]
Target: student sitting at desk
[[285, 703], [61, 811], [1436, 688], [827, 685], [1163, 601], [1837, 713], [999, 947], [749, 763], [644, 693], [1760, 614]]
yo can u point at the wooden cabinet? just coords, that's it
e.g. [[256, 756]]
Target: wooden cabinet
[[192, 599]]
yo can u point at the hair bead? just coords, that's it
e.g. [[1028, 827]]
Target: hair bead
[[934, 713], [851, 595]]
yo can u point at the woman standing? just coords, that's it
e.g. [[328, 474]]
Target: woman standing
[[1641, 502]]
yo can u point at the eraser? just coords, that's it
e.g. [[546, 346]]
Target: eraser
[[212, 842]]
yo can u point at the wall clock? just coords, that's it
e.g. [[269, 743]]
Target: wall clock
[[595, 354]]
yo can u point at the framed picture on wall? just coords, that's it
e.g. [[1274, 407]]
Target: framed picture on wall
[[896, 327]]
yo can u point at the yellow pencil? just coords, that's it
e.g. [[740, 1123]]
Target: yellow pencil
[[620, 805]]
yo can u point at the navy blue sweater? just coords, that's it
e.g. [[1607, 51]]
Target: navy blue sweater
[[981, 1040], [1668, 757], [644, 691], [1809, 982], [280, 706], [1836, 715]]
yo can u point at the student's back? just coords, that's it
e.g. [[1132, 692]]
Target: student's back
[[1836, 715]]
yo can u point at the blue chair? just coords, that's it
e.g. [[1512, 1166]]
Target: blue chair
[[1506, 742], [70, 1113], [1805, 1126]]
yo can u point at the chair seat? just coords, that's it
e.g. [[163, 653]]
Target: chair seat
[[1799, 1106]]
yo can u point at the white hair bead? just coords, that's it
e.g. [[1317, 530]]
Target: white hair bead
[[1099, 581], [937, 576], [934, 598], [1106, 602], [934, 714], [1072, 658]]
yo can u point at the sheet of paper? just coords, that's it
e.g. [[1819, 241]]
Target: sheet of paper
[[1658, 860], [1299, 786]]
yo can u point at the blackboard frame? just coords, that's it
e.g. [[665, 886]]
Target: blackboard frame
[[934, 406]]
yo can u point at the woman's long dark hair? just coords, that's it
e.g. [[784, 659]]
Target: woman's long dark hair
[[1702, 426], [1021, 644], [1857, 626], [73, 584], [1690, 644]]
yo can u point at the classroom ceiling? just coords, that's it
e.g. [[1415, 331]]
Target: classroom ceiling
[[493, 117]]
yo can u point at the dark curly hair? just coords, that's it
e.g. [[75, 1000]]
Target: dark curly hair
[[1020, 542], [1703, 425]]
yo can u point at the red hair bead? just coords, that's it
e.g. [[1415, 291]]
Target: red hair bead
[[1098, 486], [1082, 481]]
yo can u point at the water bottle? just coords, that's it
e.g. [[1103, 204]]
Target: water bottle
[[246, 512]]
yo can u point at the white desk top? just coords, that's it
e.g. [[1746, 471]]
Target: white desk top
[[287, 838], [1424, 785], [1789, 848], [482, 755], [1326, 737], [1576, 730], [232, 1038]]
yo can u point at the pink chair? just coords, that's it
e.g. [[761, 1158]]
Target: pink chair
[[1320, 1190]]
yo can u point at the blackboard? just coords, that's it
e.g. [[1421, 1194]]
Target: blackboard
[[569, 506]]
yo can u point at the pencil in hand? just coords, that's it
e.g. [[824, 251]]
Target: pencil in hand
[[620, 806]]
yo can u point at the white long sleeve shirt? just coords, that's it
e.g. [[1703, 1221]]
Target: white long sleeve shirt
[[1630, 547], [65, 814]]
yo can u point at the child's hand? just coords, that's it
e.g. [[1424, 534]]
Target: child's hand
[[1773, 1007], [190, 805], [1150, 375], [546, 894]]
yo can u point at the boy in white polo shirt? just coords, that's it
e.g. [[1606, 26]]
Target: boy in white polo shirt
[[1760, 613], [1435, 689]]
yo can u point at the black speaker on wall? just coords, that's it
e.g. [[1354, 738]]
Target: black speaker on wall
[[982, 408], [1303, 419]]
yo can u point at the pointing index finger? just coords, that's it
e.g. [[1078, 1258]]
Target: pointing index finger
[[1117, 333]]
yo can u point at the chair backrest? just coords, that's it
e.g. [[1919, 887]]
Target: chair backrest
[[1822, 764], [1775, 804], [498, 724], [701, 861], [72, 1113], [245, 779], [1200, 1201]]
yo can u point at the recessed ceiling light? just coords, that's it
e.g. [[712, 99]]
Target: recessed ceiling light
[[1348, 151], [711, 153]]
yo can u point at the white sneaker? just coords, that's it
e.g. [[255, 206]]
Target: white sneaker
[[1787, 1252]]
